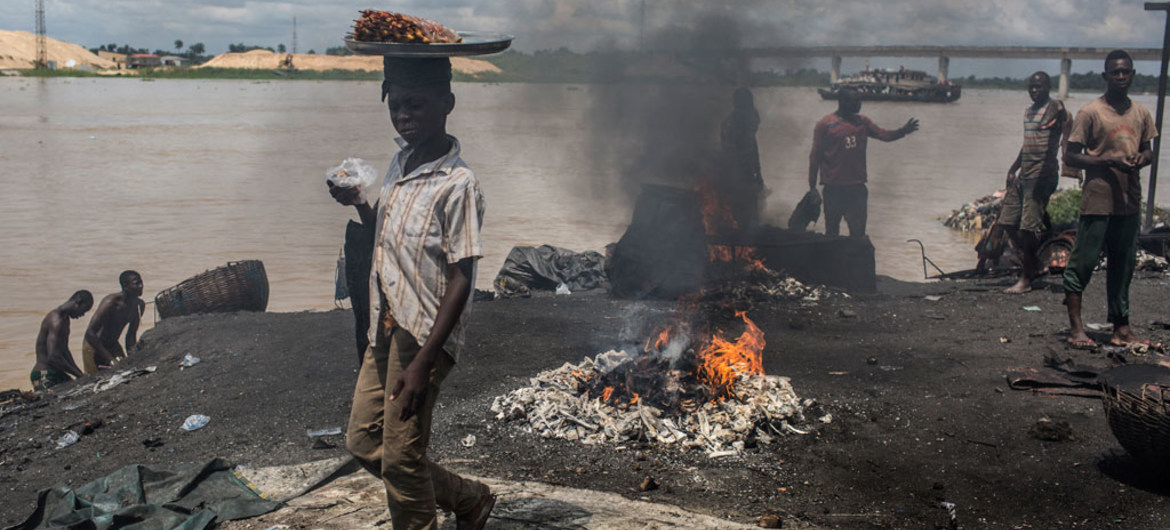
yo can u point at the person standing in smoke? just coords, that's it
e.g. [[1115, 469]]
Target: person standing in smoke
[[743, 186], [838, 157], [426, 229]]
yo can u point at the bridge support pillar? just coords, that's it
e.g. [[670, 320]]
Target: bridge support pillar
[[944, 64], [835, 73], [1065, 67]]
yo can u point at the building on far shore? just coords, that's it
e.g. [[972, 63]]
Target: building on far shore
[[118, 58], [172, 60], [143, 60]]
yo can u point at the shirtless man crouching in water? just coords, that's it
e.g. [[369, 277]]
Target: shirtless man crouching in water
[[55, 364], [117, 311]]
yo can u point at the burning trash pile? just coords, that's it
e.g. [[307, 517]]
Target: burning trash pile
[[975, 216], [756, 281], [711, 395]]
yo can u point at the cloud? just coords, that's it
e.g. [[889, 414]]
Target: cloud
[[585, 24]]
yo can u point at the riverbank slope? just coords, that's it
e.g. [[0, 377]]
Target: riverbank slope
[[921, 412]]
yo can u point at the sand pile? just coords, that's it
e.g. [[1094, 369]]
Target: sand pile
[[18, 49], [264, 59]]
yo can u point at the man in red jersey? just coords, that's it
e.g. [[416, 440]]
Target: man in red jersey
[[838, 156]]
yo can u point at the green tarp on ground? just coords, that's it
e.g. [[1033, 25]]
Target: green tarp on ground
[[183, 497]]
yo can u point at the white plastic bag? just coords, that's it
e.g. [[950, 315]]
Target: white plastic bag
[[353, 173]]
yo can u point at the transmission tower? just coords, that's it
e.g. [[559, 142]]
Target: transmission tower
[[42, 58]]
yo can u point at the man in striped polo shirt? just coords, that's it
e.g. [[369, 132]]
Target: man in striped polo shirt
[[1033, 177], [427, 225]]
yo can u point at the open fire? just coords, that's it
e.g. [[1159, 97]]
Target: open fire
[[710, 394]]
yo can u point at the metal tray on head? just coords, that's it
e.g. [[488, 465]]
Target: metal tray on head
[[474, 43]]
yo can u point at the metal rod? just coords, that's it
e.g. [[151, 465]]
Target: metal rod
[[1158, 6]]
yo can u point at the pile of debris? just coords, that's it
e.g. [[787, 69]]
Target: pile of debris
[[557, 405], [1151, 262], [762, 283], [714, 396], [975, 216]]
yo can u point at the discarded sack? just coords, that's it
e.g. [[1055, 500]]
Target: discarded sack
[[546, 267], [807, 211], [190, 497]]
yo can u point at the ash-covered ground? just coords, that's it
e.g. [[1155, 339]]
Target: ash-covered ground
[[921, 411]]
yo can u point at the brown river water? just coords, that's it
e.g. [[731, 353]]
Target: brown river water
[[172, 178]]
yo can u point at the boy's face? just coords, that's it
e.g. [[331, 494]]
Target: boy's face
[[419, 114], [1038, 88], [1119, 75]]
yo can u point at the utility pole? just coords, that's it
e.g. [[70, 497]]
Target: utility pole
[[42, 62], [1158, 6], [294, 47]]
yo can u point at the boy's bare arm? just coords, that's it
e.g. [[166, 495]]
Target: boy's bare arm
[[412, 385], [132, 328]]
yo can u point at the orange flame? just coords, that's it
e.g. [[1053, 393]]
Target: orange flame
[[728, 254], [722, 362], [605, 394], [634, 399], [716, 213]]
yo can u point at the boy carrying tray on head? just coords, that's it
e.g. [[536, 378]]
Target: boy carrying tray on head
[[427, 225]]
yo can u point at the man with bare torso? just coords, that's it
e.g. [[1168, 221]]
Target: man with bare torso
[[118, 311], [55, 364]]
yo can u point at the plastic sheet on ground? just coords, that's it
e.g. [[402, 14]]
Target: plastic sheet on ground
[[546, 267], [185, 497]]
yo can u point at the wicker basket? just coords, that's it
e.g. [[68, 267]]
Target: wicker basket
[[1140, 420], [237, 286]]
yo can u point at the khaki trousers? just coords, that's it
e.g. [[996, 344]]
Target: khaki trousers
[[395, 450]]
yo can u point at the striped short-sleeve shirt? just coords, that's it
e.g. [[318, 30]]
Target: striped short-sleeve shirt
[[1042, 129], [427, 221]]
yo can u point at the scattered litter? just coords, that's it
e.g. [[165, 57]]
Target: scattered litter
[[648, 484], [195, 421], [323, 432], [151, 443], [770, 520], [68, 439], [844, 373], [932, 298], [1051, 431], [952, 516], [889, 368], [1004, 340], [91, 425], [871, 361], [119, 378], [846, 313], [563, 289], [1093, 326], [320, 443], [1033, 308], [189, 361], [468, 441]]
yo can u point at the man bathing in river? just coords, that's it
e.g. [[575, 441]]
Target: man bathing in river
[[1033, 177], [426, 242], [838, 156], [118, 311], [1110, 140], [55, 364]]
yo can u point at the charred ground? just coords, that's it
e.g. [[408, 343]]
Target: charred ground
[[921, 413]]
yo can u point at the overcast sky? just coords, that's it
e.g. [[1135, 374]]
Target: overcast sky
[[585, 24]]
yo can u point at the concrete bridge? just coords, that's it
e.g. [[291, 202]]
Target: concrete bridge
[[945, 53]]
